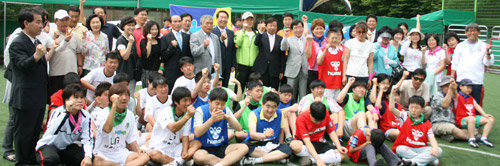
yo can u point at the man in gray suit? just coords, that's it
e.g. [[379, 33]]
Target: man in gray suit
[[205, 46], [296, 64]]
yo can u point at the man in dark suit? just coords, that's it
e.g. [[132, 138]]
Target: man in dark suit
[[228, 50], [174, 45], [29, 84], [270, 60]]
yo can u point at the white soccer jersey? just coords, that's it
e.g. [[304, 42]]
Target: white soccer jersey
[[183, 81], [108, 143], [95, 77], [164, 139], [144, 96], [153, 106]]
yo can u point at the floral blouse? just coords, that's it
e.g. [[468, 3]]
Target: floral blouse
[[94, 50]]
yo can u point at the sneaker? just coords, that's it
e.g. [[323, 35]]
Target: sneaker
[[288, 140], [247, 161], [473, 143], [486, 142], [283, 161], [435, 162], [405, 162], [380, 162], [189, 163], [305, 161]]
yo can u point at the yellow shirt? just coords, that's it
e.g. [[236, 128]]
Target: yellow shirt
[[252, 118]]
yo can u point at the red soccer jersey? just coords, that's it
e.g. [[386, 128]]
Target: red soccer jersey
[[358, 138], [56, 100], [411, 135], [138, 37], [388, 120], [463, 108], [316, 132], [330, 71]]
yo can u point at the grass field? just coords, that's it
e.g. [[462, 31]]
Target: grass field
[[450, 156]]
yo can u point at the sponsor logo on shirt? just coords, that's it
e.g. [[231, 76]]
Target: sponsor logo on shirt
[[215, 132], [470, 109], [417, 134], [318, 130], [335, 65]]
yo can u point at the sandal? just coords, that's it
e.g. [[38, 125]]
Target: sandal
[[10, 157]]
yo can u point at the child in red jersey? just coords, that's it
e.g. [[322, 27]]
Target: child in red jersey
[[310, 143], [411, 143], [364, 145], [379, 95], [330, 63], [465, 109]]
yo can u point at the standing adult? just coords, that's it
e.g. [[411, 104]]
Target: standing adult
[[110, 30], [270, 60], [227, 48], [205, 46], [74, 14], [95, 45], [296, 63], [287, 25], [125, 45], [372, 21], [186, 22], [469, 60], [314, 43], [30, 82], [247, 51], [174, 45], [141, 17], [66, 56], [151, 49], [385, 56]]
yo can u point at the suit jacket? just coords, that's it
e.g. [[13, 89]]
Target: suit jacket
[[275, 59], [201, 55], [170, 55], [29, 79], [228, 54], [296, 59]]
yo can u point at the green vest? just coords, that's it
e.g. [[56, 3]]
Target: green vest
[[352, 107], [265, 90], [243, 120], [324, 101]]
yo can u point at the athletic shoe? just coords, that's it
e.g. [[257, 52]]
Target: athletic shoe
[[248, 161], [305, 161], [486, 142], [380, 162], [435, 162], [288, 140], [405, 162], [283, 161], [473, 143], [189, 163]]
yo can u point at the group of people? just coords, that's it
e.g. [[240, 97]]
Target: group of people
[[298, 91]]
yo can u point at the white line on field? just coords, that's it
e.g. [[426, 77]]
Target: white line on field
[[471, 150]]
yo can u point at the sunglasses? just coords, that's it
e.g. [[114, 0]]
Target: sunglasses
[[361, 31], [419, 79]]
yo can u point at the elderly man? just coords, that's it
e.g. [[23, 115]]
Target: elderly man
[[228, 50], [469, 60], [205, 46], [65, 58], [186, 22]]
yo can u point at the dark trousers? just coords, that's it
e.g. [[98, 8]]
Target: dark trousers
[[242, 73], [269, 80], [27, 127], [311, 76], [55, 83], [51, 156], [8, 136], [477, 93], [226, 76], [369, 153]]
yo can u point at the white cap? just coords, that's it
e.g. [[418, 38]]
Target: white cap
[[61, 14], [246, 15]]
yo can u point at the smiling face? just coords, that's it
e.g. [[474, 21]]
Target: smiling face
[[318, 91], [272, 27], [154, 31], [62, 24], [222, 19], [183, 104], [372, 23], [334, 39], [129, 28], [398, 37], [141, 17], [111, 65], [385, 84], [100, 12], [452, 42], [74, 18], [34, 28], [415, 37], [186, 23], [432, 43], [417, 81], [122, 101], [318, 31], [162, 91], [472, 34], [95, 24], [206, 85], [359, 91], [298, 30], [255, 93], [216, 105], [207, 25], [466, 89], [287, 22], [285, 97], [269, 109]]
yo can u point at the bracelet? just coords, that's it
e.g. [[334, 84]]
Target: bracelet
[[370, 76], [376, 110], [162, 68]]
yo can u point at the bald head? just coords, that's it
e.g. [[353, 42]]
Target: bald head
[[176, 22]]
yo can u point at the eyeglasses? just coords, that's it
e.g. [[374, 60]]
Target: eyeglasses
[[360, 31], [419, 79]]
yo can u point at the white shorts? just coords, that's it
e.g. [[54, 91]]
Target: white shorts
[[332, 93], [348, 131], [119, 156], [173, 151]]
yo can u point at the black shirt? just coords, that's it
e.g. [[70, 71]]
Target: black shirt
[[127, 66], [112, 32], [153, 62]]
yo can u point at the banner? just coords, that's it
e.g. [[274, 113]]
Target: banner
[[197, 12]]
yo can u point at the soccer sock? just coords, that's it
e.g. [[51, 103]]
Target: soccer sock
[[472, 139], [218, 164], [259, 160], [484, 138]]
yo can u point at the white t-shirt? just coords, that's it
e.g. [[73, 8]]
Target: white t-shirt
[[154, 106], [64, 59], [183, 81], [115, 140], [412, 57], [144, 96], [433, 62], [358, 60], [162, 137], [198, 116], [95, 77]]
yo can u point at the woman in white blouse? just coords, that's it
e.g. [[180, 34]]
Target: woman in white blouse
[[95, 45], [411, 51], [434, 60]]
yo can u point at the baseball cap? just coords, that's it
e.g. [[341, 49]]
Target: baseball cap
[[466, 82], [445, 80], [386, 35], [61, 14], [246, 15]]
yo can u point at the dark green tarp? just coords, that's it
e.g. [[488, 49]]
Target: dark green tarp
[[449, 17]]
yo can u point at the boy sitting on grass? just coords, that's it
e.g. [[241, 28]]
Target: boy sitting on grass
[[289, 111], [465, 113], [310, 143], [265, 141], [251, 102], [157, 103], [411, 143], [366, 143]]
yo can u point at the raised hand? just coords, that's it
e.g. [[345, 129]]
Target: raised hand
[[131, 39], [40, 50], [206, 43], [190, 110], [351, 80], [174, 43]]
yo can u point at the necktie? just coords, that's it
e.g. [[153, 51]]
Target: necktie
[[37, 42], [179, 39]]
